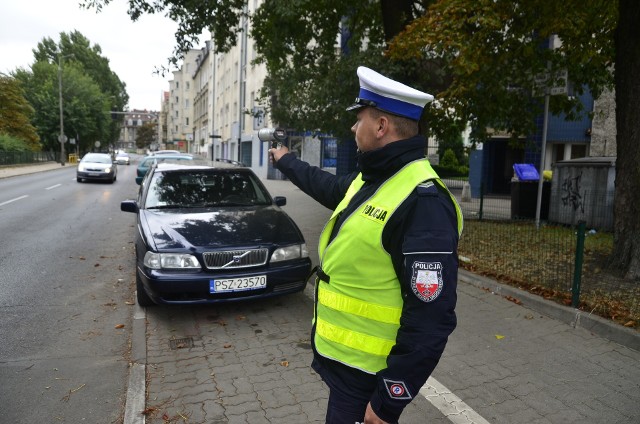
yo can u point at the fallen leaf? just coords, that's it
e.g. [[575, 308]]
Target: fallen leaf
[[630, 323], [129, 303], [227, 346], [148, 411], [240, 317], [499, 336], [120, 326], [284, 363], [96, 265], [513, 299]]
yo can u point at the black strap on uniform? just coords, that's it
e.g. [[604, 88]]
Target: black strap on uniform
[[321, 275]]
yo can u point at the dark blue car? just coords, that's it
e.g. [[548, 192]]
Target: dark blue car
[[211, 233]]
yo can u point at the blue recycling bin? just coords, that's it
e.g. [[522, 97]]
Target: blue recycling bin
[[524, 193]]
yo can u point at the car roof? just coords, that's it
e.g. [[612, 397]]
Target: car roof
[[182, 156], [197, 164], [165, 152]]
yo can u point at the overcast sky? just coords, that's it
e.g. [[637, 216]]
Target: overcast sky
[[134, 49]]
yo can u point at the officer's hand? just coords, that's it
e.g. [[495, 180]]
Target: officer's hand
[[276, 153], [370, 417]]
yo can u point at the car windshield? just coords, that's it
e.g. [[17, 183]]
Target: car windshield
[[97, 159], [204, 188], [122, 155]]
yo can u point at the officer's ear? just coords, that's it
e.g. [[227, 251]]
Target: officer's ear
[[383, 124]]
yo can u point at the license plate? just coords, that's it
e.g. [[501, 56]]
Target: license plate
[[94, 174], [238, 284]]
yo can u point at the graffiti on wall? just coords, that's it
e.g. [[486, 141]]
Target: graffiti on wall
[[571, 195]]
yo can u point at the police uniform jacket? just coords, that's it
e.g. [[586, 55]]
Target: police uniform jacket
[[423, 229]]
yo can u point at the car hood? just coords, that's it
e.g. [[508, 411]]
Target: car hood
[[199, 229]]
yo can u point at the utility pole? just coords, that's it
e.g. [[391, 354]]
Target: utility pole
[[61, 138]]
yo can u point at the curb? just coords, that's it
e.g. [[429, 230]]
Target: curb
[[574, 317], [136, 388]]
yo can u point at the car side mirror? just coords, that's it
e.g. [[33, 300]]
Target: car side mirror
[[280, 200], [129, 206]]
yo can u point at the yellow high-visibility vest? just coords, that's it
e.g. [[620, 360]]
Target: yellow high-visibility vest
[[358, 311]]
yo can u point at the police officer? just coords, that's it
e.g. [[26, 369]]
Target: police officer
[[386, 285]]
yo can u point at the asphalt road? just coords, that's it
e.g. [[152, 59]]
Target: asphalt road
[[66, 274]]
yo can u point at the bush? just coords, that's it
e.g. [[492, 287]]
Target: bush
[[12, 144], [450, 167]]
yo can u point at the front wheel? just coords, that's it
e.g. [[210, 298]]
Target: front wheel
[[141, 295]]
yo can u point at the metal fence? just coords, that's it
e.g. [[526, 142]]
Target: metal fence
[[18, 158], [548, 259]]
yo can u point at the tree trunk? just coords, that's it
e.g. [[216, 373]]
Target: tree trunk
[[395, 16], [626, 250]]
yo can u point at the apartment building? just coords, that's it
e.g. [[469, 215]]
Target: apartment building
[[181, 111], [131, 121], [215, 110]]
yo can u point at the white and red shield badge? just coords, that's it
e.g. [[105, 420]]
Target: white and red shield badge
[[426, 280]]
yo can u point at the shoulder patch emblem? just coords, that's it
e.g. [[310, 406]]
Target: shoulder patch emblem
[[397, 389], [426, 280]]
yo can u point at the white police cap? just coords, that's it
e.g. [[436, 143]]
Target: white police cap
[[383, 93]]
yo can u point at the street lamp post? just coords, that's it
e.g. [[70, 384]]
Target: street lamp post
[[61, 138]]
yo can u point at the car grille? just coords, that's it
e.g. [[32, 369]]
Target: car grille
[[231, 259]]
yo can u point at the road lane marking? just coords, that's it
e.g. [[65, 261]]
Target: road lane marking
[[13, 200], [53, 186], [449, 404]]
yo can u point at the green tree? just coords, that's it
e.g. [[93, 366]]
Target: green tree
[[147, 133], [16, 114], [84, 113], [76, 48], [90, 90]]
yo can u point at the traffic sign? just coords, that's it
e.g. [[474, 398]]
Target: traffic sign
[[550, 83]]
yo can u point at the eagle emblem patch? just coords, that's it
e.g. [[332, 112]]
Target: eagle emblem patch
[[426, 280]]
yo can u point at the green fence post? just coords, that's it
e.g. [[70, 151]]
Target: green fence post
[[481, 200], [577, 272]]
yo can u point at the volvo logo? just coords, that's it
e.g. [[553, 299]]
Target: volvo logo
[[236, 259]]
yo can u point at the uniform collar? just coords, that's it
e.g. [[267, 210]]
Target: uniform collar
[[381, 163]]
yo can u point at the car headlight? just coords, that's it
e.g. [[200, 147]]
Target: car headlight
[[295, 251], [107, 170], [170, 261], [81, 168]]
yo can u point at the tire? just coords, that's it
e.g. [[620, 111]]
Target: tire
[[79, 180], [141, 295]]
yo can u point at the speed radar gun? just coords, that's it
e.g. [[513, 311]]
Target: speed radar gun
[[277, 136]]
